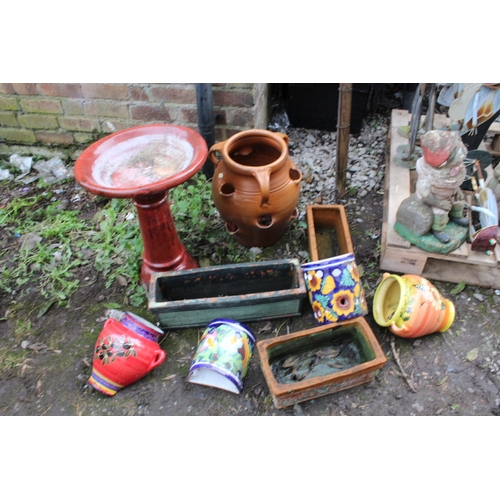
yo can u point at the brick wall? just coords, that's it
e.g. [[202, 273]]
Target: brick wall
[[38, 118]]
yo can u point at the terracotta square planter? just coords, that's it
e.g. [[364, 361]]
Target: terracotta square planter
[[312, 363], [327, 231], [241, 292]]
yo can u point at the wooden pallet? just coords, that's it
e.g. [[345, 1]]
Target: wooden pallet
[[398, 255], [493, 147]]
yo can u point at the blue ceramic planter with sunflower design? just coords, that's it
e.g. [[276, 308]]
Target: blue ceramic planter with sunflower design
[[223, 355], [334, 289]]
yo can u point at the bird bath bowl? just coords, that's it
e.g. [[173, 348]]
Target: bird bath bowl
[[143, 163]]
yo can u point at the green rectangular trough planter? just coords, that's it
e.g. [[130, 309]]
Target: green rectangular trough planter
[[242, 292], [323, 360]]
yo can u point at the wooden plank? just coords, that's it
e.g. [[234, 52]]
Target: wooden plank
[[399, 178], [402, 261], [472, 274], [494, 128], [487, 147]]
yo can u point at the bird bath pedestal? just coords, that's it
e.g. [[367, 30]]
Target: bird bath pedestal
[[143, 163]]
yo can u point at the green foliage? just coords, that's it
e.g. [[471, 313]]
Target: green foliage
[[68, 245], [65, 239], [118, 246], [199, 226]]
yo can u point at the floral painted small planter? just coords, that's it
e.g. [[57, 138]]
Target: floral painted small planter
[[334, 289], [411, 306], [243, 292], [323, 360], [223, 354], [327, 231], [124, 354]]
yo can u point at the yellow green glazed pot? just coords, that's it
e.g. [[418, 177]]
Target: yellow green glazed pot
[[411, 306]]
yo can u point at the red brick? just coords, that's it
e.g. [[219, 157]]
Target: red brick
[[242, 117], [177, 95], [79, 124], [115, 91], [41, 106], [188, 115], [82, 138], [104, 108], [220, 117], [240, 85], [7, 88], [116, 125], [231, 131], [150, 113], [73, 107], [232, 98], [54, 138], [25, 88], [219, 135], [38, 121], [61, 89], [138, 93]]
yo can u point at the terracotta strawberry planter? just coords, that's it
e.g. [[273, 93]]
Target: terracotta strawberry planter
[[327, 231], [256, 186], [312, 363], [241, 292]]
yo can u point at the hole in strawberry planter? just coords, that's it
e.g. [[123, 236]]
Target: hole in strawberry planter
[[265, 220]]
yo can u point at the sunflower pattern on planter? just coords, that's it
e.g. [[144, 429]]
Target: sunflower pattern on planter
[[334, 289]]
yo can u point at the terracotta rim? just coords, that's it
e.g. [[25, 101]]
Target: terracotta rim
[[84, 163], [275, 165]]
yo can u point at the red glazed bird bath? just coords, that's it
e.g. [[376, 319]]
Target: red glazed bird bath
[[143, 163]]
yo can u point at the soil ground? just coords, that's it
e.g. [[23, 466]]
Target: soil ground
[[452, 373]]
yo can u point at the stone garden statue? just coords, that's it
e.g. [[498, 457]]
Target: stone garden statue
[[432, 217]]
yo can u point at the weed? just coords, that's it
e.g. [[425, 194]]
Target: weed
[[199, 226]]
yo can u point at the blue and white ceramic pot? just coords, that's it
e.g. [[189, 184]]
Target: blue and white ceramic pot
[[334, 289], [223, 355]]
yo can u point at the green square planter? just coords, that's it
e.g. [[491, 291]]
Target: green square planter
[[241, 292], [312, 363], [327, 231]]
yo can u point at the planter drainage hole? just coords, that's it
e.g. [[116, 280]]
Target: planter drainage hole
[[265, 220], [227, 189], [231, 227]]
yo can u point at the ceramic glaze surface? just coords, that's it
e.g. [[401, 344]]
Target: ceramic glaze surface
[[142, 326], [334, 289], [411, 306], [142, 160], [143, 163], [223, 356], [256, 186], [122, 357]]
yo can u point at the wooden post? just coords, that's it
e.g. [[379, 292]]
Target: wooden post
[[343, 128]]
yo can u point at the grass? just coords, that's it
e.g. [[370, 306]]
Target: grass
[[65, 245], [60, 246]]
